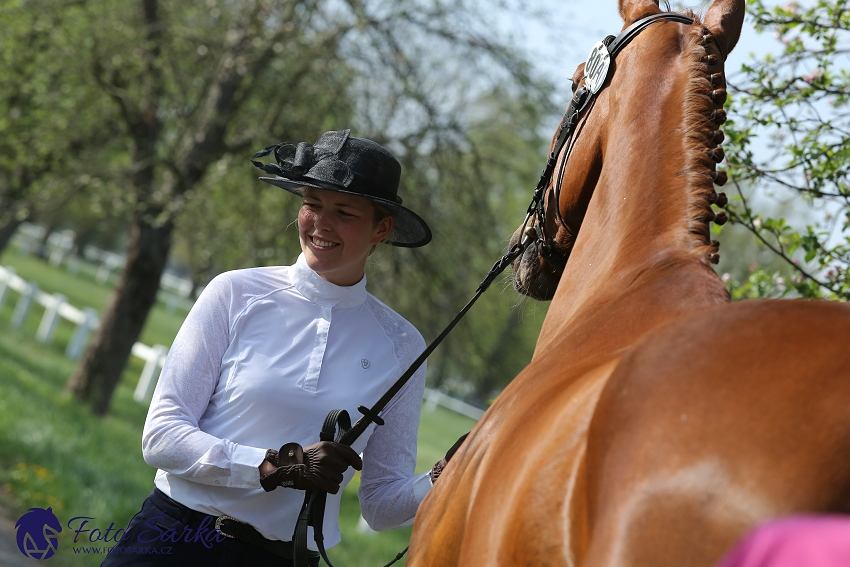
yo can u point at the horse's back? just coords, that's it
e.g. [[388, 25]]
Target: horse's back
[[716, 422]]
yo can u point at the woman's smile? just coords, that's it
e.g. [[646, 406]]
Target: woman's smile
[[337, 232], [319, 243]]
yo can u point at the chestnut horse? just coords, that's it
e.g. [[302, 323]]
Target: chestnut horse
[[656, 422]]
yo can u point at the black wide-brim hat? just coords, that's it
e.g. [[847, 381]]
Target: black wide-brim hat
[[356, 166]]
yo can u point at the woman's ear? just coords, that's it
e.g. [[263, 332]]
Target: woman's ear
[[382, 229]]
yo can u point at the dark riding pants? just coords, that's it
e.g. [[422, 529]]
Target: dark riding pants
[[166, 533]]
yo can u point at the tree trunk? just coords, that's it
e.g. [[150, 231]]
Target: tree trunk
[[100, 370], [7, 231]]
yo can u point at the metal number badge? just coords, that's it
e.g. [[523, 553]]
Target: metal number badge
[[596, 67]]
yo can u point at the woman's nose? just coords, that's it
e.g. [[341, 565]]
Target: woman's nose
[[320, 220]]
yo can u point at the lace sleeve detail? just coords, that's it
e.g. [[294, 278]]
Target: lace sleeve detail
[[172, 440], [406, 340], [388, 494]]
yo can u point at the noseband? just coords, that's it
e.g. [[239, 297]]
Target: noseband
[[597, 70]]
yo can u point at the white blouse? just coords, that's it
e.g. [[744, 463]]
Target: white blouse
[[260, 360]]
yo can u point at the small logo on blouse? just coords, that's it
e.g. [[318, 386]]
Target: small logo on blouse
[[365, 363]]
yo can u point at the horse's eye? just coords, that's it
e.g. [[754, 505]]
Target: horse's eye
[[575, 86]]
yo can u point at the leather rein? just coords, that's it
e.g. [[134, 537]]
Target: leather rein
[[337, 426]]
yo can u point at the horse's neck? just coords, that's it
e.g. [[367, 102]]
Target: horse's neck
[[634, 267], [640, 258]]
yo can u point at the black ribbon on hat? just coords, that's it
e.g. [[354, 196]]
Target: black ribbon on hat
[[318, 162]]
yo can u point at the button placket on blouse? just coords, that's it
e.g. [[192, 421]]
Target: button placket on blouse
[[323, 323]]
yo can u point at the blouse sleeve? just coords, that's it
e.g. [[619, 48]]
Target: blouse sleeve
[[389, 493], [172, 440]]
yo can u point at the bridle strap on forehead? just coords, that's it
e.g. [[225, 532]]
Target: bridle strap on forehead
[[581, 102], [631, 32], [638, 26]]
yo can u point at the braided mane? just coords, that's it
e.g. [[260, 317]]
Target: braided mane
[[703, 113]]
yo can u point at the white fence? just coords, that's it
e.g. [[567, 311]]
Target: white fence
[[60, 249], [434, 398], [86, 321]]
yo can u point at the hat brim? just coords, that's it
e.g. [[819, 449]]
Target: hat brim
[[409, 230]]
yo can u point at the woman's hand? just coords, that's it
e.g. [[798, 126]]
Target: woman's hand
[[316, 467]]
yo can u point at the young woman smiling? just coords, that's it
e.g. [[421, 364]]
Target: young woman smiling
[[338, 232], [264, 355]]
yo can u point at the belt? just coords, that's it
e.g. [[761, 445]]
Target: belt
[[233, 528]]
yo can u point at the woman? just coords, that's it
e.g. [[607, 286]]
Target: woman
[[264, 354]]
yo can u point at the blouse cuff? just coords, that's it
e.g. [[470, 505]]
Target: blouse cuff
[[245, 466], [421, 486]]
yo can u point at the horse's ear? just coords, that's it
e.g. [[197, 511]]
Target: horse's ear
[[724, 20], [631, 10]]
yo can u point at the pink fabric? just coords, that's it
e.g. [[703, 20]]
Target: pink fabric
[[797, 541]]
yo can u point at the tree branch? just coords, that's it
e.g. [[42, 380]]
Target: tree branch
[[748, 224]]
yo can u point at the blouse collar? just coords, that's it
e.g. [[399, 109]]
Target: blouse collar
[[322, 292]]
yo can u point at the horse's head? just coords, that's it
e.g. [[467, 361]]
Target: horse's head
[[654, 113]]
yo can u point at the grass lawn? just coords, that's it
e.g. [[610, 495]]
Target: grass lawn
[[55, 453]]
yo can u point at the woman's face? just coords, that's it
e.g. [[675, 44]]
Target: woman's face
[[337, 231]]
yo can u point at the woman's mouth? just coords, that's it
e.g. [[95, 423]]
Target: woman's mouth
[[319, 243]]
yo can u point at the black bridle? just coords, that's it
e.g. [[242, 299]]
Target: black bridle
[[597, 68], [337, 426]]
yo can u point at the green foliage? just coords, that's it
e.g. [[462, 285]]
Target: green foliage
[[163, 103], [474, 193], [49, 115], [235, 221], [54, 452], [797, 103]]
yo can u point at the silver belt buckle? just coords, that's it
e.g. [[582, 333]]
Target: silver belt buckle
[[218, 522]]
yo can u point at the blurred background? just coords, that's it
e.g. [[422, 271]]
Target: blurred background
[[126, 132]]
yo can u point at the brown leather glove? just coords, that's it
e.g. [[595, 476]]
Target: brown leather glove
[[315, 467], [438, 468]]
